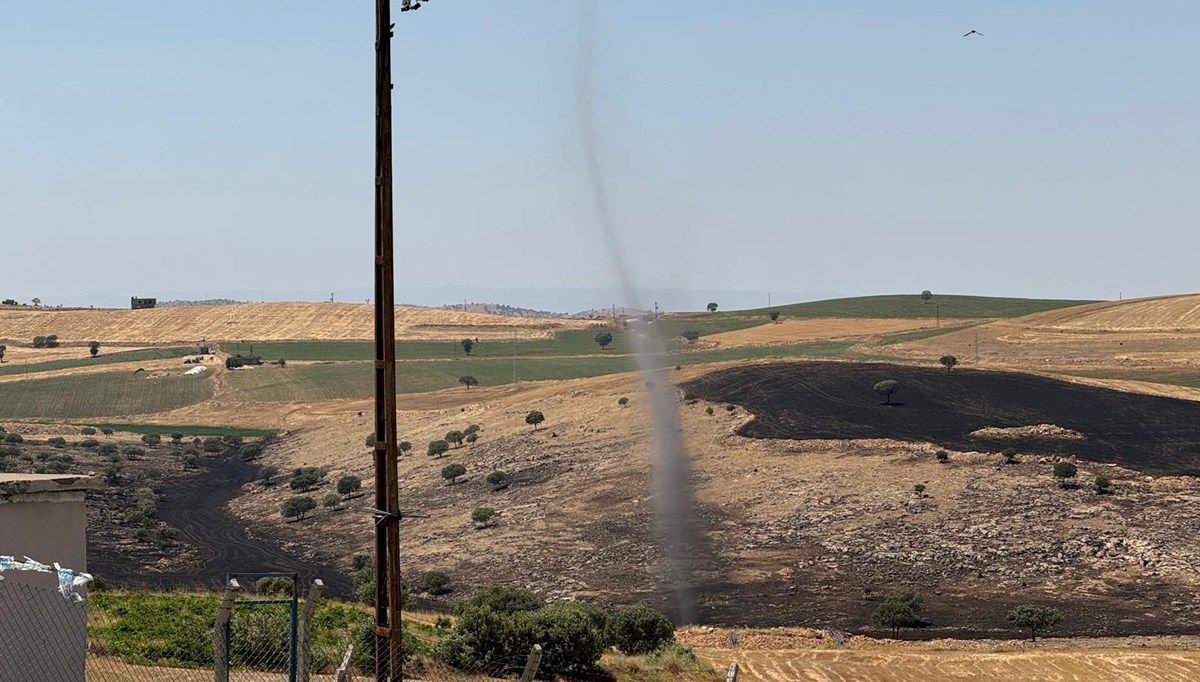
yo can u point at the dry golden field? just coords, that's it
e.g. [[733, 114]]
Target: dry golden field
[[262, 322], [1157, 333], [903, 664]]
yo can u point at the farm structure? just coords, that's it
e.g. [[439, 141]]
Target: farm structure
[[136, 303]]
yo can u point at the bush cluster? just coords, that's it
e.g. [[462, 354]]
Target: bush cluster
[[497, 627]]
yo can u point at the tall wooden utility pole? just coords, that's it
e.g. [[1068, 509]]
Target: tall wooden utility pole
[[388, 667]]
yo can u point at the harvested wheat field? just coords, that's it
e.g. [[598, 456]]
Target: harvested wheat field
[[794, 331], [898, 664], [1139, 334], [263, 322]]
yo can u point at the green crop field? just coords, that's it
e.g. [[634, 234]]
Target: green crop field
[[103, 359], [109, 394], [186, 430], [569, 343], [345, 380]]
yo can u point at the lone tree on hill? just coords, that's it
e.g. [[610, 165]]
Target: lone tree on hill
[[483, 517], [297, 507], [886, 388], [94, 348], [437, 448], [926, 295], [468, 381], [712, 307], [604, 339], [535, 417], [691, 335], [1064, 471], [898, 610], [948, 361], [774, 315], [348, 485], [1035, 617], [455, 437], [467, 345], [451, 472]]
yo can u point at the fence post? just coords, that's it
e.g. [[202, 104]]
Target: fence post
[[221, 632], [343, 671], [532, 663], [310, 606], [731, 676]]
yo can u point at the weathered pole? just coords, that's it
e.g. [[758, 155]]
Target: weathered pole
[[388, 667]]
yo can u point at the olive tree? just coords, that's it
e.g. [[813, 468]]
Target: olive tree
[[468, 381], [297, 507], [455, 437], [774, 315], [926, 295], [1035, 617], [898, 610], [534, 418], [1064, 471], [712, 307], [437, 448], [948, 361], [887, 388], [467, 345], [94, 348], [604, 339], [451, 472], [483, 517]]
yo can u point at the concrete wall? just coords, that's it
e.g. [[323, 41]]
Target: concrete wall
[[42, 635]]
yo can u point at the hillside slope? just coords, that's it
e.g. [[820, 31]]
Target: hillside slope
[[262, 322]]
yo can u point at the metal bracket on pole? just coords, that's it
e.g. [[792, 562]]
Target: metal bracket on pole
[[302, 646], [221, 632], [532, 663]]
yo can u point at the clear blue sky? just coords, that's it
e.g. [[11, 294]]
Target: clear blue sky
[[858, 147]]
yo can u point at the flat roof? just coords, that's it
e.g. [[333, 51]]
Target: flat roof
[[19, 484]]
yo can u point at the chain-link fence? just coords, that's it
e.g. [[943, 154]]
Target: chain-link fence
[[178, 637]]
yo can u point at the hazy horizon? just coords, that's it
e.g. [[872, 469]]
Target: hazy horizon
[[754, 147]]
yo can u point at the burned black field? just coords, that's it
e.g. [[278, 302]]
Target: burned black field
[[835, 400]]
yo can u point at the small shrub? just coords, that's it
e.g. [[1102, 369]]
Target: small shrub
[[1102, 485], [433, 582], [483, 517], [1064, 471], [134, 452], [473, 428], [472, 437], [1010, 455], [87, 431], [638, 630], [107, 432], [501, 599], [942, 456], [919, 489], [622, 401], [370, 440], [151, 439], [177, 438], [332, 501], [89, 443], [499, 480], [57, 441], [730, 408], [266, 474], [14, 438], [708, 410]]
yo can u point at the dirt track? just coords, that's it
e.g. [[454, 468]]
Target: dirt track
[[834, 400]]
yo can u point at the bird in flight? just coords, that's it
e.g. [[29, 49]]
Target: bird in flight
[[972, 32]]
